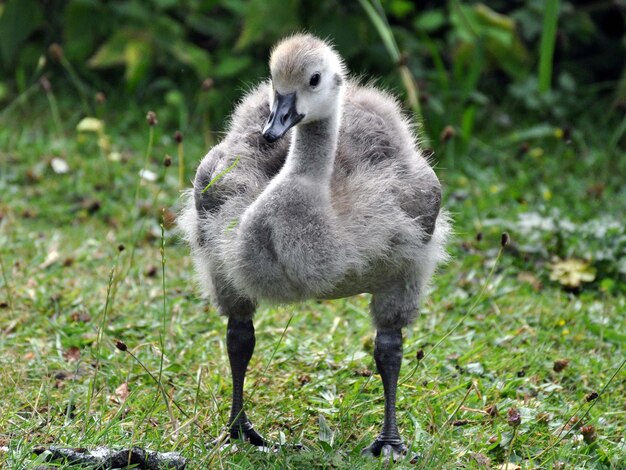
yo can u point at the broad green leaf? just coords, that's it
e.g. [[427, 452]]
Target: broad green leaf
[[231, 66], [83, 22], [138, 57], [492, 18], [268, 19], [195, 57], [430, 20], [113, 51], [19, 19]]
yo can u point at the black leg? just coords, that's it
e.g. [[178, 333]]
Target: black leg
[[240, 343], [388, 357]]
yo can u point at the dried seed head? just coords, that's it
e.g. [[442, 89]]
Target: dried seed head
[[121, 247], [513, 417], [56, 51], [151, 117], [420, 354], [207, 84], [403, 59], [460, 422], [589, 433], [447, 134], [121, 345], [574, 422], [167, 161], [560, 364], [100, 98], [505, 239], [492, 410], [567, 133], [178, 137], [304, 379], [45, 84], [592, 396], [524, 148]]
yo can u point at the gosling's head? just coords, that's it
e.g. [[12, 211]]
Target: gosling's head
[[307, 82]]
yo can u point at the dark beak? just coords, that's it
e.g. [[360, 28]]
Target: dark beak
[[282, 117]]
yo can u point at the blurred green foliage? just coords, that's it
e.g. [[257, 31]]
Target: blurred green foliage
[[463, 55]]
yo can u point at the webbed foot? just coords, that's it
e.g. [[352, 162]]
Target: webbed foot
[[245, 432], [393, 449]]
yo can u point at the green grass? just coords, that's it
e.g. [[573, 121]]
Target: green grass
[[59, 367]]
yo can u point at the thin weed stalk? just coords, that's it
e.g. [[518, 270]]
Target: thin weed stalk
[[7, 286], [20, 100], [178, 137], [181, 165], [510, 446], [152, 121], [471, 387], [469, 312], [163, 312], [99, 338], [78, 83], [206, 126], [121, 346], [54, 106], [146, 159]]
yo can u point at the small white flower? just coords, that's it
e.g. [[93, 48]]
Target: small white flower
[[147, 175], [59, 166]]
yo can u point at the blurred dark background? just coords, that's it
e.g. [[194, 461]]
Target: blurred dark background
[[191, 59]]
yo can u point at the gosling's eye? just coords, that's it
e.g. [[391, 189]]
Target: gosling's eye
[[315, 79]]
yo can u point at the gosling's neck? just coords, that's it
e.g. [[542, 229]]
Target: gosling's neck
[[313, 149]]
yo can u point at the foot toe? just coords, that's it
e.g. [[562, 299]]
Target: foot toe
[[395, 450]]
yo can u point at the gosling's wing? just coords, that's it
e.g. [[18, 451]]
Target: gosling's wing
[[378, 141], [244, 161]]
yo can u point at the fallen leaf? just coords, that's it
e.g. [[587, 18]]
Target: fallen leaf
[[481, 459], [560, 364], [72, 354], [122, 392], [530, 278], [509, 466], [53, 257], [90, 124], [81, 316], [364, 372], [572, 272]]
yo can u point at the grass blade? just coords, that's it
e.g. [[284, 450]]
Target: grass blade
[[546, 48]]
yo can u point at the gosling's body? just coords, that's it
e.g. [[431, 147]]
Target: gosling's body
[[373, 225], [341, 204]]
